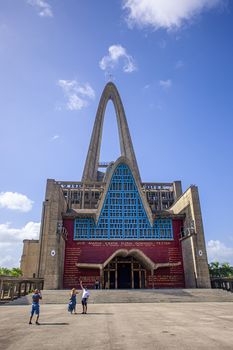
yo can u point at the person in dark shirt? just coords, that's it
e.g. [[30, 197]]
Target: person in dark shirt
[[97, 284], [36, 296]]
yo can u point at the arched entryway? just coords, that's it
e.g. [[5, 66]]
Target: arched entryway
[[127, 269], [124, 273]]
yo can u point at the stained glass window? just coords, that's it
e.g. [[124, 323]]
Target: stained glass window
[[123, 216]]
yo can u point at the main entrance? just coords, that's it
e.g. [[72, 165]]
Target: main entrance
[[124, 273]]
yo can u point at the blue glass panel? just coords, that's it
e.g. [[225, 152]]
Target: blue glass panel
[[123, 216]]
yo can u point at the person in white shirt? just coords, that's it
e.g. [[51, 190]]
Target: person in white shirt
[[85, 296]]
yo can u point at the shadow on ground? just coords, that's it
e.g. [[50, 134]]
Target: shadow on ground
[[54, 324]]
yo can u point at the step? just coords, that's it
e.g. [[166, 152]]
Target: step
[[133, 296]]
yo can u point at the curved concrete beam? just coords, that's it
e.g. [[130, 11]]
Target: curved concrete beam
[[137, 254], [91, 166]]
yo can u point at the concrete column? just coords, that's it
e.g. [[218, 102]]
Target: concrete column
[[132, 276], [116, 276], [177, 189], [102, 278], [152, 275], [1, 288], [51, 265], [193, 246]]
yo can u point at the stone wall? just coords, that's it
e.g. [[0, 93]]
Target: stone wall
[[29, 259], [97, 252]]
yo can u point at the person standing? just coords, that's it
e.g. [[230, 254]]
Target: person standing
[[73, 301], [36, 296], [97, 284], [85, 296]]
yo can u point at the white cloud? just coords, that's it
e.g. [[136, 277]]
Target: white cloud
[[118, 53], [7, 261], [55, 137], [9, 234], [11, 242], [168, 14], [77, 94], [165, 84], [43, 8], [218, 251], [15, 201]]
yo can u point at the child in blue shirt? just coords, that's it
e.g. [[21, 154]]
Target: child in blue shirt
[[36, 296]]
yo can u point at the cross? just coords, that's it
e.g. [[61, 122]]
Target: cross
[[109, 76]]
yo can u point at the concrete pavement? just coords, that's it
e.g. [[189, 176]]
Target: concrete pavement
[[120, 326]]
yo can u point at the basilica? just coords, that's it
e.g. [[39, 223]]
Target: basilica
[[114, 231]]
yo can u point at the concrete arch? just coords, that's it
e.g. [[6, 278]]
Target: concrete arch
[[136, 253], [110, 92]]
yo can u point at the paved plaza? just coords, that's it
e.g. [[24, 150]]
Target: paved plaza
[[120, 326]]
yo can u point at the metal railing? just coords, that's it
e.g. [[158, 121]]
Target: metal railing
[[14, 287], [225, 283]]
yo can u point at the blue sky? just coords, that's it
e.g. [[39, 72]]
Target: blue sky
[[172, 64]]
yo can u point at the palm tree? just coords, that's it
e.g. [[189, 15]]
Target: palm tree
[[220, 270], [226, 270], [15, 271], [214, 268]]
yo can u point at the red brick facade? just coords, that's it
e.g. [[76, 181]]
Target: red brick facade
[[98, 252]]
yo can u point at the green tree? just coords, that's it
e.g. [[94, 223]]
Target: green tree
[[5, 271], [220, 270], [15, 271], [226, 270]]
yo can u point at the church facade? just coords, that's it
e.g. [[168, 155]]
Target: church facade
[[114, 230]]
